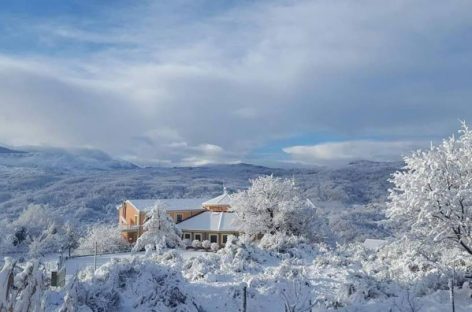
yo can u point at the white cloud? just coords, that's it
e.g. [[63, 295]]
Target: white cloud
[[175, 89], [343, 152]]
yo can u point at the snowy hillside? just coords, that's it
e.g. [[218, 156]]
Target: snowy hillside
[[86, 184], [61, 159]]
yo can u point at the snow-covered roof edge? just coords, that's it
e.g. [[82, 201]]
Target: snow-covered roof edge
[[172, 204], [222, 200]]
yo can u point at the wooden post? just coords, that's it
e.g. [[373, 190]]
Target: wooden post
[[158, 220], [95, 258], [451, 289], [244, 306]]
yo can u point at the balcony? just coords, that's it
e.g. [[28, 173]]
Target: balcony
[[129, 227]]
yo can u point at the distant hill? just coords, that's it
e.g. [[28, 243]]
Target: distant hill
[[61, 159], [4, 150], [86, 185]]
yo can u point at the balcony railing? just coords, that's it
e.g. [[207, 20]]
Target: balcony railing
[[129, 227]]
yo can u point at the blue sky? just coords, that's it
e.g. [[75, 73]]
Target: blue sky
[[268, 82]]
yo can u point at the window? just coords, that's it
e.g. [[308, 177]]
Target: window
[[179, 217], [124, 211], [197, 236], [136, 219], [213, 238], [187, 236], [225, 238]]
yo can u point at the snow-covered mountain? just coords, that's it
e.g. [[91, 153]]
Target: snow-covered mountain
[[4, 150], [61, 159], [85, 185]]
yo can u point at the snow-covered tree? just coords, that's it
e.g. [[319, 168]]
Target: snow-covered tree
[[159, 230], [432, 196], [37, 232], [275, 205], [106, 237]]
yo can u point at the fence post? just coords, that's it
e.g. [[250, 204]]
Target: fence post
[[244, 306], [451, 288], [95, 258]]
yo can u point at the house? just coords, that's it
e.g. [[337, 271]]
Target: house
[[215, 224], [133, 213], [197, 218]]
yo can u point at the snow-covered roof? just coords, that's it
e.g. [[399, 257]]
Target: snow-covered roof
[[183, 203], [374, 244], [210, 221], [172, 204], [142, 204], [221, 200]]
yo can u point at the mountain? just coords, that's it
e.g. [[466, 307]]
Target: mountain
[[61, 159], [4, 150], [86, 185]]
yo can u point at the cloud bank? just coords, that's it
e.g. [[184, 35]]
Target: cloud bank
[[342, 152], [190, 83]]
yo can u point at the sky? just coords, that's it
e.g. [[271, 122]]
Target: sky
[[187, 83]]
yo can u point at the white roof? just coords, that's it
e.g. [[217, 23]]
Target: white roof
[[374, 244], [143, 204], [222, 200], [183, 203], [210, 221], [172, 204]]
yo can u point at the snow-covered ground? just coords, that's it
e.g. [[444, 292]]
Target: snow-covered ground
[[75, 264], [215, 281]]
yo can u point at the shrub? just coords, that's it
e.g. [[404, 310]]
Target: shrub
[[197, 244], [214, 246], [206, 244]]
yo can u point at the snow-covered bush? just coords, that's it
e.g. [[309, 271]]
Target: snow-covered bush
[[22, 289], [214, 246], [170, 257], [159, 230], [432, 195], [187, 242], [240, 254], [196, 243], [201, 267], [280, 242], [115, 285], [273, 205], [106, 237], [206, 244], [288, 245]]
